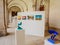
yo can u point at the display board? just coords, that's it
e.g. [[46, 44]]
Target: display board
[[32, 22]]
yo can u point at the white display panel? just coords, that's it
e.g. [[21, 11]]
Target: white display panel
[[33, 27]]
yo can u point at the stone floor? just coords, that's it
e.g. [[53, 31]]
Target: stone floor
[[30, 40], [9, 39], [34, 40]]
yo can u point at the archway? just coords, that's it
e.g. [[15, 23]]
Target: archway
[[13, 15]]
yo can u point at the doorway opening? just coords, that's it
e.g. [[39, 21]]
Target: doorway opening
[[13, 16]]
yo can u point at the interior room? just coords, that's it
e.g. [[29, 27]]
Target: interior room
[[37, 17]]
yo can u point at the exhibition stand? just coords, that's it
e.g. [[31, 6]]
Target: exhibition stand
[[20, 37]]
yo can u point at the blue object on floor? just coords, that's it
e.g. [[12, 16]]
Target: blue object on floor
[[53, 32], [53, 35], [52, 41]]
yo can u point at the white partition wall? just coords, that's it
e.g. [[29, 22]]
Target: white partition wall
[[33, 26]]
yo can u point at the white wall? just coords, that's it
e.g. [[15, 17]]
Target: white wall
[[55, 13]]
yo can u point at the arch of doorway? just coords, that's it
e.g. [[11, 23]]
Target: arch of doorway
[[13, 9]]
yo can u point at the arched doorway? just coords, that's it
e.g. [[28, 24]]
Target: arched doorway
[[13, 15]]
